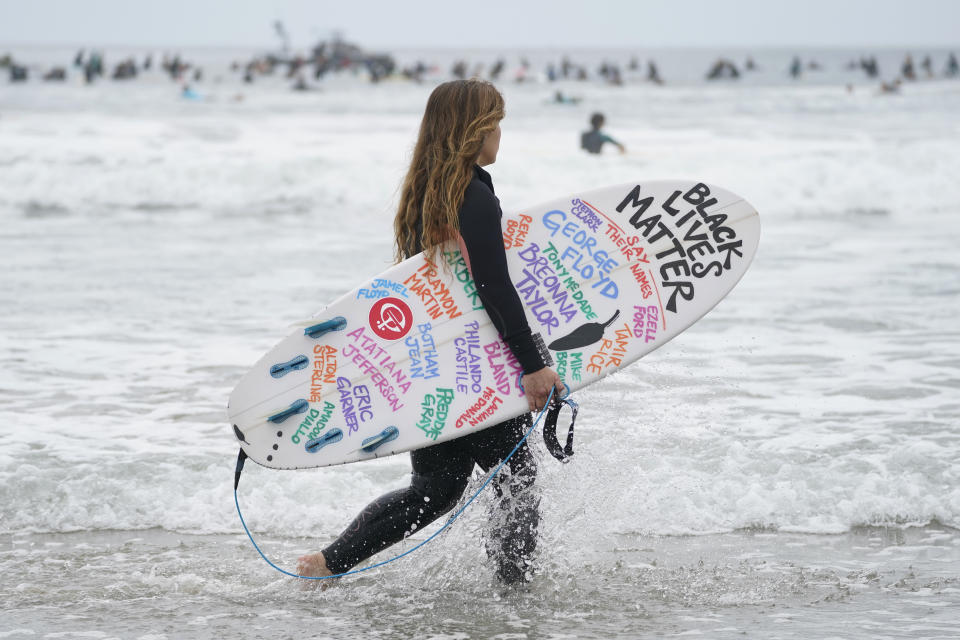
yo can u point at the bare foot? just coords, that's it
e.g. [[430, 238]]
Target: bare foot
[[314, 565]]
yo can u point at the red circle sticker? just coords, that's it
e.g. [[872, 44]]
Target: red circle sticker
[[391, 318]]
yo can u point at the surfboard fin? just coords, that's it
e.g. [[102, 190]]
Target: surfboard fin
[[241, 457], [583, 335], [371, 443], [297, 406], [334, 324], [294, 364], [334, 435], [242, 438]]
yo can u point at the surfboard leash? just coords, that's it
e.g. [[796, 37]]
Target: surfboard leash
[[550, 410]]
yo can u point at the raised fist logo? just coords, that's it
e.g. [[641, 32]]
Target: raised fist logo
[[391, 318]]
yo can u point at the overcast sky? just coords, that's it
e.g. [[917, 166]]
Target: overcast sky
[[486, 23]]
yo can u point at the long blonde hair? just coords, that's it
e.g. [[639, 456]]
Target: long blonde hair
[[458, 117]]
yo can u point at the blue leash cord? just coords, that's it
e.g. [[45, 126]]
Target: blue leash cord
[[449, 521]]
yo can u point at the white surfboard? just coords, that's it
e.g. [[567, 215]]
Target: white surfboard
[[410, 358]]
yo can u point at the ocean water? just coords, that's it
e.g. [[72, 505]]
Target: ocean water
[[787, 468]]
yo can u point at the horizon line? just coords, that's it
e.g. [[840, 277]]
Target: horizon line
[[489, 48]]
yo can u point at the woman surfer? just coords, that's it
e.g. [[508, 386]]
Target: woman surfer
[[446, 195]]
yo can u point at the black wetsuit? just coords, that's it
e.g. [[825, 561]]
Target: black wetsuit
[[441, 472]]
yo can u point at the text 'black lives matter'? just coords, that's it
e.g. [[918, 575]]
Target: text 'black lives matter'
[[713, 247]]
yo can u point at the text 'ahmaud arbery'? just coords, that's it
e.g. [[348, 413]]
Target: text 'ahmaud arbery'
[[713, 244]]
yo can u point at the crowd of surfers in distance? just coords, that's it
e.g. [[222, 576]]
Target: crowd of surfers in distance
[[337, 57]]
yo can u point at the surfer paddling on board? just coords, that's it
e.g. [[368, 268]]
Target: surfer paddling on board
[[592, 141], [446, 195]]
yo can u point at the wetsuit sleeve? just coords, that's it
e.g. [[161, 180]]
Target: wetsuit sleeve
[[483, 238]]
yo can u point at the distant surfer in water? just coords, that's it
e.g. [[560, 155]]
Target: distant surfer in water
[[448, 196], [592, 141]]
